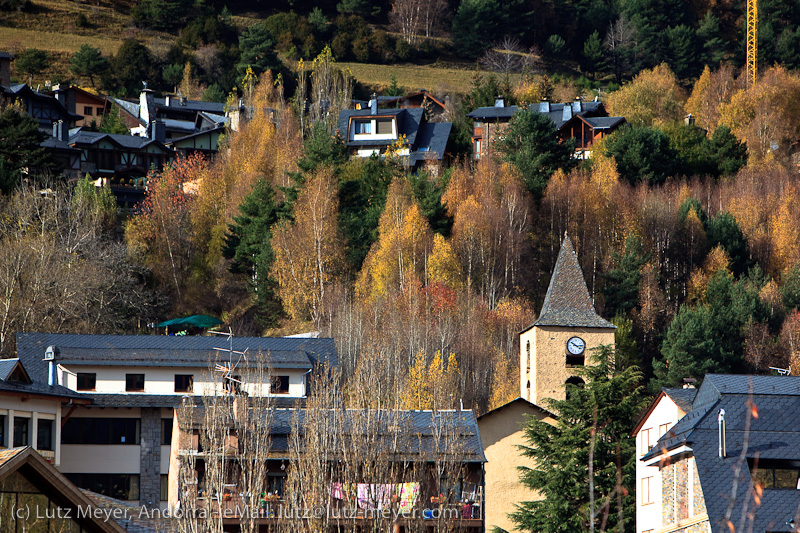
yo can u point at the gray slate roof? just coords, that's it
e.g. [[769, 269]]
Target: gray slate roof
[[567, 302], [683, 398], [6, 366], [555, 112], [420, 428], [775, 434], [170, 351], [133, 142], [432, 136], [408, 123]]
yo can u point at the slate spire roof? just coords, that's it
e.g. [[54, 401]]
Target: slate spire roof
[[567, 302]]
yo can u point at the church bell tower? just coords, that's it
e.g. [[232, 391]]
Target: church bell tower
[[563, 337]]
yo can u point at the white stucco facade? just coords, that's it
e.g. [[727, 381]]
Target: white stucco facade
[[662, 415], [33, 410]]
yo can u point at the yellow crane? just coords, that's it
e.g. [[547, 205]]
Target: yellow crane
[[752, 41]]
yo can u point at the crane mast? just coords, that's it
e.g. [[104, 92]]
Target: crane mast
[[752, 41]]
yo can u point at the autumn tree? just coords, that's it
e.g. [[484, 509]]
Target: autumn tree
[[652, 97], [160, 235], [308, 251]]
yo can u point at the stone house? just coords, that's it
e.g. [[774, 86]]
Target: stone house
[[732, 461]]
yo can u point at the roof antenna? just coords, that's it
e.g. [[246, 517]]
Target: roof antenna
[[782, 371]]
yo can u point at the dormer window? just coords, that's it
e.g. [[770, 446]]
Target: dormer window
[[384, 126], [363, 127]]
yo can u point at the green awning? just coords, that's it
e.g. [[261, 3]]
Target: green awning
[[198, 321]]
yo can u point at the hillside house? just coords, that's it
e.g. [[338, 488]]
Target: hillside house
[[91, 107], [54, 119], [122, 391], [180, 116], [368, 132], [422, 98], [733, 458], [586, 122]]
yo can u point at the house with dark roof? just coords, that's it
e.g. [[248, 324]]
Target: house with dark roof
[[409, 470], [585, 122], [565, 334], [34, 496], [669, 406], [372, 131], [117, 395], [180, 116], [733, 459], [53, 118], [89, 105], [422, 98]]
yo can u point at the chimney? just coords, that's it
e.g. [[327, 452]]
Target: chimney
[[544, 107], [50, 356], [168, 100], [183, 100], [723, 452], [688, 383], [373, 104], [689, 120], [61, 95], [60, 130], [147, 105], [499, 102], [158, 131], [576, 106], [566, 113]]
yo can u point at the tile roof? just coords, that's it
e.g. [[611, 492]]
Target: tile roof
[[683, 398], [433, 136], [6, 366], [133, 142], [408, 124], [422, 426], [567, 302], [129, 515], [164, 350], [555, 111], [773, 435]]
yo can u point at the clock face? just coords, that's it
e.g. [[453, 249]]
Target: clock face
[[576, 345]]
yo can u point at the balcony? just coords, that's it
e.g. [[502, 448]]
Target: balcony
[[465, 512]]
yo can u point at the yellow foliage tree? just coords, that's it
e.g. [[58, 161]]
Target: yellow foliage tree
[[416, 393], [785, 235], [652, 97], [716, 260], [443, 266], [308, 252], [766, 115]]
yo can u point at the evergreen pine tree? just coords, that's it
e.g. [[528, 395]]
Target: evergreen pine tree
[[598, 415], [248, 243]]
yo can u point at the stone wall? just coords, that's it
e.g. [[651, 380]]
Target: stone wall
[[677, 492], [150, 471]]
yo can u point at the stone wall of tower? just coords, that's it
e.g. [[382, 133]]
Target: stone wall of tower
[[548, 359]]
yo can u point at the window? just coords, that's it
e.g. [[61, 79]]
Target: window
[[3, 430], [645, 441], [100, 431], [118, 486], [166, 431], [233, 384], [647, 494], [776, 473], [184, 382], [164, 487], [22, 430], [574, 381], [363, 127], [384, 127], [275, 483], [87, 381], [662, 429], [134, 382], [279, 385], [44, 434], [87, 110]]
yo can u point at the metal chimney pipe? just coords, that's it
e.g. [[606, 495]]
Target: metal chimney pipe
[[723, 452]]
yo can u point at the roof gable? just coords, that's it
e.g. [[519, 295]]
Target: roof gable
[[567, 302], [25, 466]]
